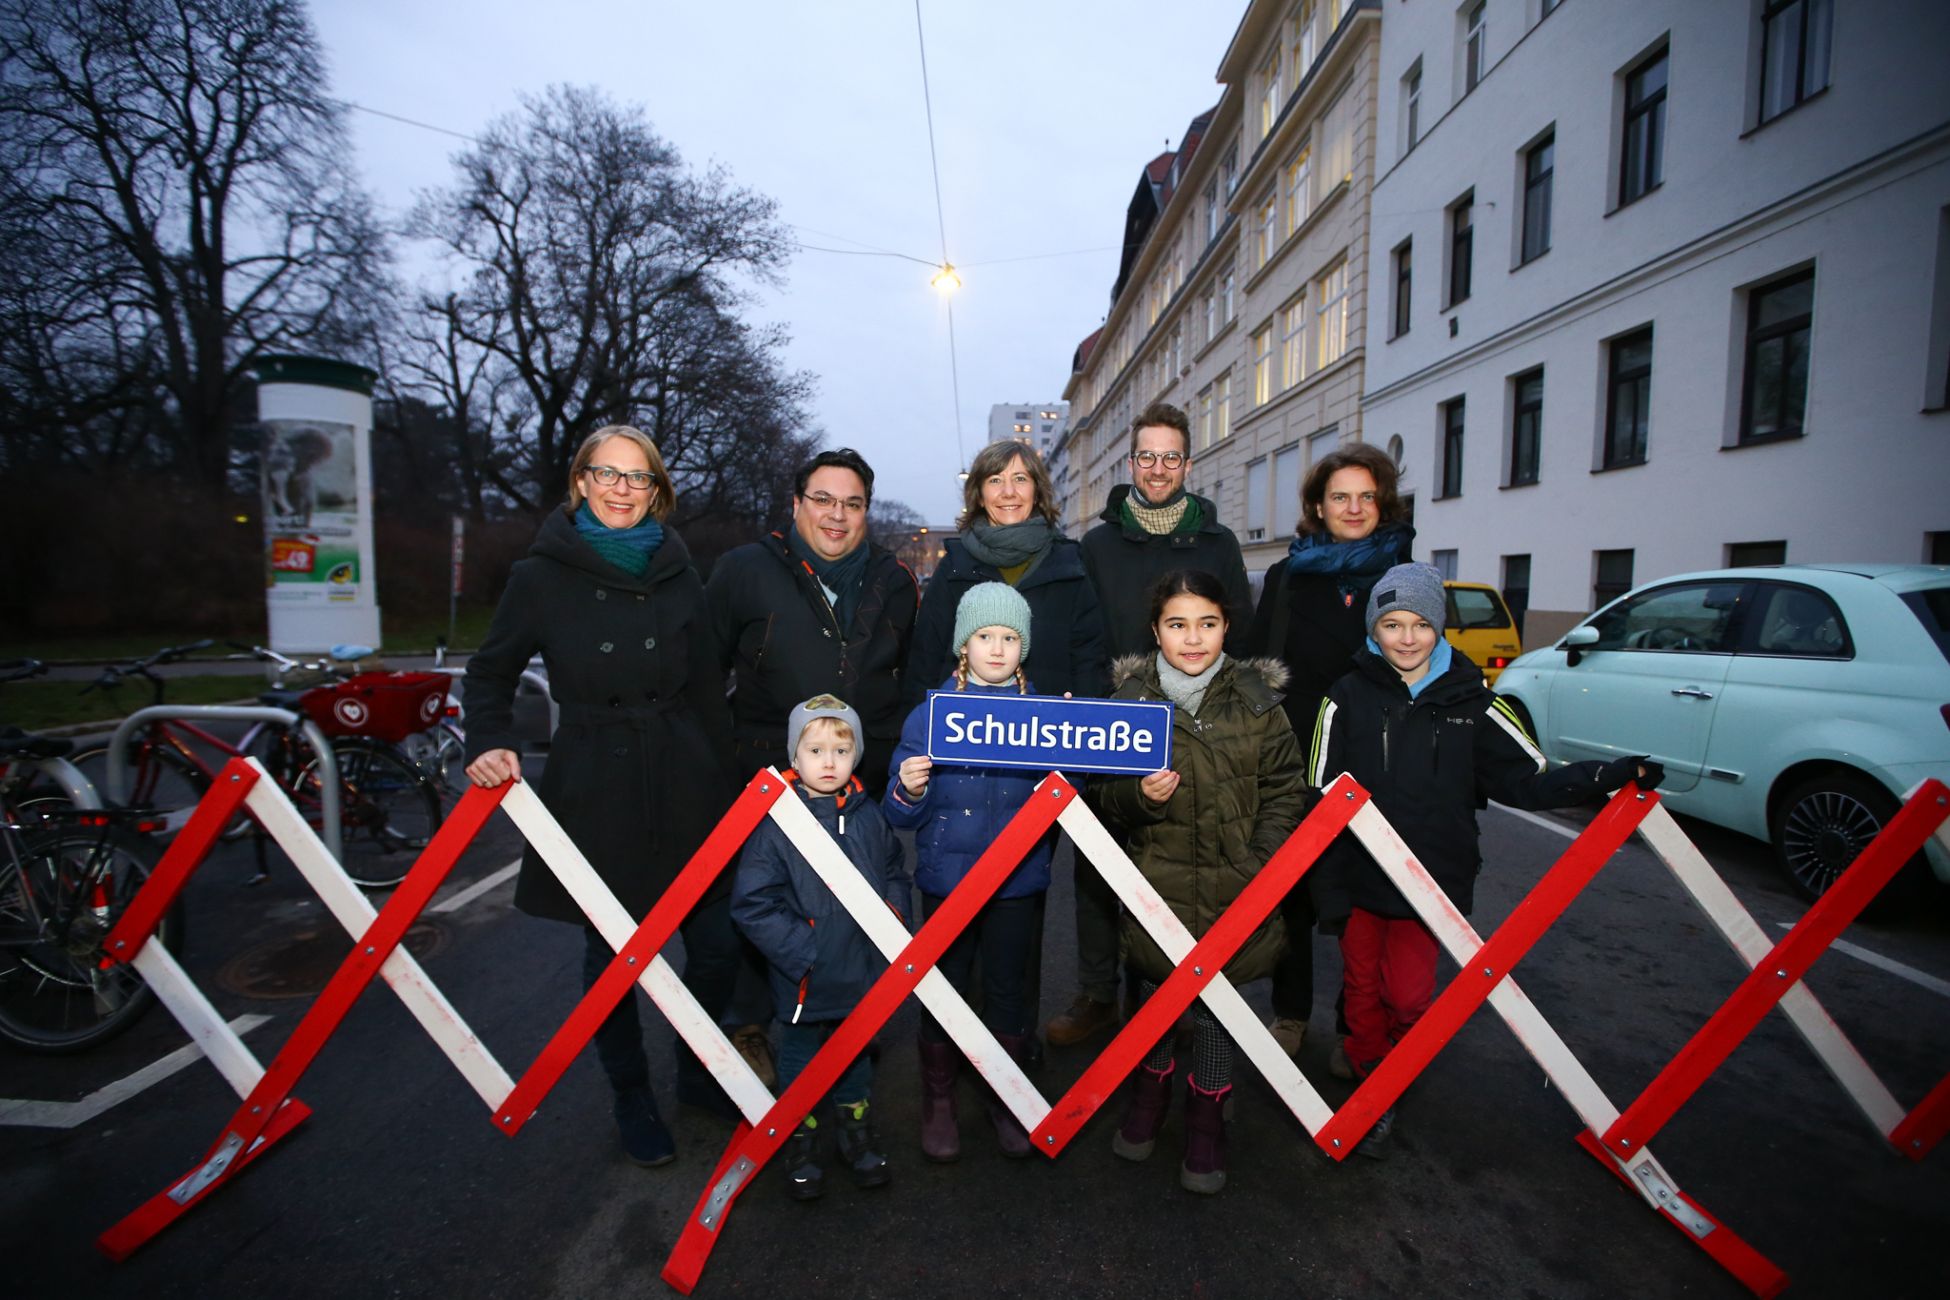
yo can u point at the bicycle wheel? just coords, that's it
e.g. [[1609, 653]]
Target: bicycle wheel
[[440, 752], [388, 811], [158, 777], [61, 891]]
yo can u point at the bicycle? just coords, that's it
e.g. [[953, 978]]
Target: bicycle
[[66, 876], [389, 806]]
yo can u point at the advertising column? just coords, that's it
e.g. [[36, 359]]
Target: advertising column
[[316, 417]]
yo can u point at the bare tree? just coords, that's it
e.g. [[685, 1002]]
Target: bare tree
[[181, 174], [602, 282]]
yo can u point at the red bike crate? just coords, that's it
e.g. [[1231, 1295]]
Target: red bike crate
[[381, 706]]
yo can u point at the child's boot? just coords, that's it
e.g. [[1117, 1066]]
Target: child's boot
[[641, 1128], [940, 1129], [1145, 1115], [1009, 1133], [1204, 1170], [860, 1146], [804, 1179]]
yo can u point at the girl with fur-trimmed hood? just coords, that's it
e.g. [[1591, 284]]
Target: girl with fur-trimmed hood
[[1199, 832]]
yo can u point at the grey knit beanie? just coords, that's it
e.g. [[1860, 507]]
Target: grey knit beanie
[[1416, 588], [823, 706], [991, 604]]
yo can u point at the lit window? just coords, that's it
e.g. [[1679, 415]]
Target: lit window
[[1263, 366], [1264, 231], [1330, 294], [1269, 102], [1299, 179], [1301, 36], [1293, 342], [1222, 407]]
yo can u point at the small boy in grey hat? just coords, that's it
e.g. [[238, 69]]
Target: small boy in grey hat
[[1416, 726]]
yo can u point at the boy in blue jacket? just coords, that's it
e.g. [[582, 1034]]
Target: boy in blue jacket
[[821, 962]]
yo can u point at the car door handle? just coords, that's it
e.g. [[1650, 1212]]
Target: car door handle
[[1695, 692]]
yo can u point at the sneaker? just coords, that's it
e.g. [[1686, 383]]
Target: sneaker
[[804, 1179], [756, 1048], [1085, 1018], [641, 1128], [1337, 1063], [1375, 1145], [1289, 1033], [860, 1146]]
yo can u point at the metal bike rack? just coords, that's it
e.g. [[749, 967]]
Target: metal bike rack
[[75, 785], [328, 763]]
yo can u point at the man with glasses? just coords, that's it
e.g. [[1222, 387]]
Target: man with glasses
[[1150, 527], [815, 609]]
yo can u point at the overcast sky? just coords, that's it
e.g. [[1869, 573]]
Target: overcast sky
[[1044, 113]]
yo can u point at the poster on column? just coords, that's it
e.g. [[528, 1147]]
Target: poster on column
[[311, 512]]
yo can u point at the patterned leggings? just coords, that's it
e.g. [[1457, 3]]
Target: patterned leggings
[[1211, 1046]]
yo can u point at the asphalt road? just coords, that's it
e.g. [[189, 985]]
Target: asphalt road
[[399, 1185]]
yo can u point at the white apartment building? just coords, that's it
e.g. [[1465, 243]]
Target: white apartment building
[[1662, 285], [1241, 293], [1040, 424]]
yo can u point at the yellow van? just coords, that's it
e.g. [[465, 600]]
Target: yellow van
[[1481, 627]]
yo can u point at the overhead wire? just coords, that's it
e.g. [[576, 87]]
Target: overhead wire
[[941, 221]]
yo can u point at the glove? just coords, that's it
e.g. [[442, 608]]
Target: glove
[[1613, 775]]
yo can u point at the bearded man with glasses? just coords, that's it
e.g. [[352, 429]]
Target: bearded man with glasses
[[815, 609], [1150, 527]]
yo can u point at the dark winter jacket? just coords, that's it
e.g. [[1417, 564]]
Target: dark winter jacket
[[1429, 762], [962, 811], [1066, 631], [1314, 627], [1123, 561], [778, 637], [1241, 792], [813, 947], [639, 769]]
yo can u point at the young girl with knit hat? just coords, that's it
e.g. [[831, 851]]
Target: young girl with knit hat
[[956, 813]]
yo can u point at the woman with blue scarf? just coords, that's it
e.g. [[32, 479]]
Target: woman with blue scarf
[[1312, 616], [638, 768]]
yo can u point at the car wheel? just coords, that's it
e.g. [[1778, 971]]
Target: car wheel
[[1822, 826]]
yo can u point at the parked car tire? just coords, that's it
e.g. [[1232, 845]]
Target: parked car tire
[[1821, 825]]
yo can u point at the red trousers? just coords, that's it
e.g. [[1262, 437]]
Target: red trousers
[[1389, 980]]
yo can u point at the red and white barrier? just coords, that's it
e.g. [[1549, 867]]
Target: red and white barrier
[[1618, 1138]]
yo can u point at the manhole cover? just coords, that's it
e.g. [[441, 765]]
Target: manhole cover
[[300, 965]]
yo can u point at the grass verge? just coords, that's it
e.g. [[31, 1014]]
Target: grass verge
[[36, 705]]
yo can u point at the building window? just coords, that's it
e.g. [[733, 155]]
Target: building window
[[1337, 142], [1176, 353], [1229, 170], [1516, 587], [1286, 491], [1299, 182], [1265, 232], [1444, 563], [1452, 449], [1642, 167], [1205, 417], [1611, 576], [1211, 212], [1775, 399], [1222, 407], [1256, 475], [1269, 100], [1330, 293], [1748, 555], [1794, 53], [1293, 341], [1539, 161], [1211, 314], [1302, 37], [1225, 298], [1527, 427], [1462, 246], [1263, 366], [1404, 281], [1473, 47], [1629, 399], [1412, 105]]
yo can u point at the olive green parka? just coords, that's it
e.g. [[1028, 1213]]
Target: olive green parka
[[1242, 789]]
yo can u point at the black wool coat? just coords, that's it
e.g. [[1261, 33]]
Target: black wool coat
[[639, 769], [1066, 631], [1123, 562], [779, 638]]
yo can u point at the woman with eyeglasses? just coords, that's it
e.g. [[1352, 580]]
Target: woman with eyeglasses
[[1312, 615], [638, 770]]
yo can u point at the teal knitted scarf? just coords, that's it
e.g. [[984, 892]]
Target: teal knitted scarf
[[629, 549]]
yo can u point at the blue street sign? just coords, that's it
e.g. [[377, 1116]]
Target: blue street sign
[[1044, 732]]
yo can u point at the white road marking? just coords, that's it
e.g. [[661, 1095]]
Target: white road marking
[[475, 890], [72, 1114], [1939, 987]]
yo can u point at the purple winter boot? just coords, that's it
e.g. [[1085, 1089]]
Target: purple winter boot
[[1204, 1170], [940, 1129], [1144, 1115]]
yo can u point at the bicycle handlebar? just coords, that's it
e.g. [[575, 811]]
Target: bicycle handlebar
[[15, 670]]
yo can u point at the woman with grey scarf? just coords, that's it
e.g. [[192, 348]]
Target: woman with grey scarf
[[1009, 534]]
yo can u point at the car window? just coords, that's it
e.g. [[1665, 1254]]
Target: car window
[[1471, 607], [1800, 621], [1932, 609], [1693, 617]]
